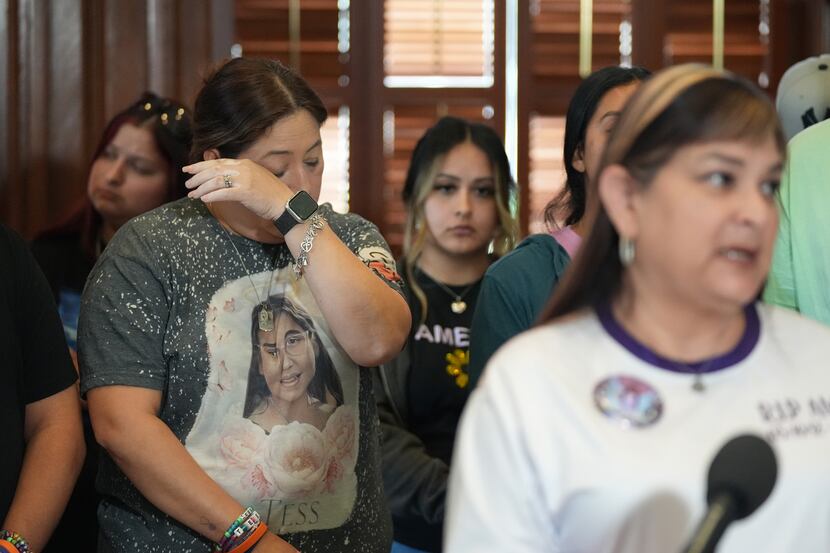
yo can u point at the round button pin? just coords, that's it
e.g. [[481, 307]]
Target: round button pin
[[629, 401]]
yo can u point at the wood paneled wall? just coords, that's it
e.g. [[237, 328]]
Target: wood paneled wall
[[67, 66]]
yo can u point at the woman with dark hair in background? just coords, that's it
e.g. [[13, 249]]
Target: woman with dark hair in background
[[165, 335], [136, 167], [458, 192], [594, 431], [516, 288]]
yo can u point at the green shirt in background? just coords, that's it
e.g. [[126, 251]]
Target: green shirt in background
[[514, 291], [800, 273]]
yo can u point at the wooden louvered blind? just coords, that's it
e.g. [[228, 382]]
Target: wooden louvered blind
[[689, 36], [263, 29], [547, 172], [335, 137], [555, 42], [438, 39]]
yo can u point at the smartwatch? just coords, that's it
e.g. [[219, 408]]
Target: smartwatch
[[299, 208]]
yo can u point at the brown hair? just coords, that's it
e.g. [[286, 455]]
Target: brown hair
[[679, 106], [242, 99]]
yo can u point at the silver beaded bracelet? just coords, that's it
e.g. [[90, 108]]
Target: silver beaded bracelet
[[316, 224]]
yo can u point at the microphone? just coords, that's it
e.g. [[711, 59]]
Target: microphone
[[741, 477]]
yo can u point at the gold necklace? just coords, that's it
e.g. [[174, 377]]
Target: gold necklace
[[458, 306]]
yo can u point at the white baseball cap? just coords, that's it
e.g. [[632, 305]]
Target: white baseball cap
[[803, 97]]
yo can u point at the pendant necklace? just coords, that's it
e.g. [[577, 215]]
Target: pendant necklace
[[696, 371], [458, 306], [697, 384], [266, 313]]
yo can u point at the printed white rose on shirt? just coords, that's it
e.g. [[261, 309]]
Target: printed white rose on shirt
[[255, 484], [341, 436], [298, 459], [241, 443]]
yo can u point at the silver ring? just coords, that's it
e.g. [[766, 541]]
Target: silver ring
[[227, 180]]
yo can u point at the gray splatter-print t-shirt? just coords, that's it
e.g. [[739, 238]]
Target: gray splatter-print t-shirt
[[276, 413]]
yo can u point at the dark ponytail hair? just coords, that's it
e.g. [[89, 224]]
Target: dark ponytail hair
[[569, 205], [242, 99]]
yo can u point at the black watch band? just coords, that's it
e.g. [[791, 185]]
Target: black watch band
[[298, 210]]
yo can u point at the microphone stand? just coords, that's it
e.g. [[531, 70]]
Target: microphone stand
[[721, 513]]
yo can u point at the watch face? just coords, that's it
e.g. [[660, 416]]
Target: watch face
[[303, 205]]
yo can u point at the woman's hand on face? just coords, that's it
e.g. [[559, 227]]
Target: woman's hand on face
[[238, 180]]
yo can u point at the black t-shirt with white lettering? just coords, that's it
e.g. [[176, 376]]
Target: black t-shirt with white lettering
[[438, 383]]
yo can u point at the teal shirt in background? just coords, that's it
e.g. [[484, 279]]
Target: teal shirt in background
[[800, 275], [514, 291]]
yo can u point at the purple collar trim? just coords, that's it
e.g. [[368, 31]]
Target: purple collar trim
[[745, 345], [568, 239]]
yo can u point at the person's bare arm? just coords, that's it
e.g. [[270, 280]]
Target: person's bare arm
[[54, 454], [126, 424], [368, 318]]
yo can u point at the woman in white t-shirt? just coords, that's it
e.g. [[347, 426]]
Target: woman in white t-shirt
[[594, 432]]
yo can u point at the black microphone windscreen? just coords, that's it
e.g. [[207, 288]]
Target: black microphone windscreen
[[745, 467]]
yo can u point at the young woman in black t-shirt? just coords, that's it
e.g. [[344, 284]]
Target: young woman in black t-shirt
[[458, 192]]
